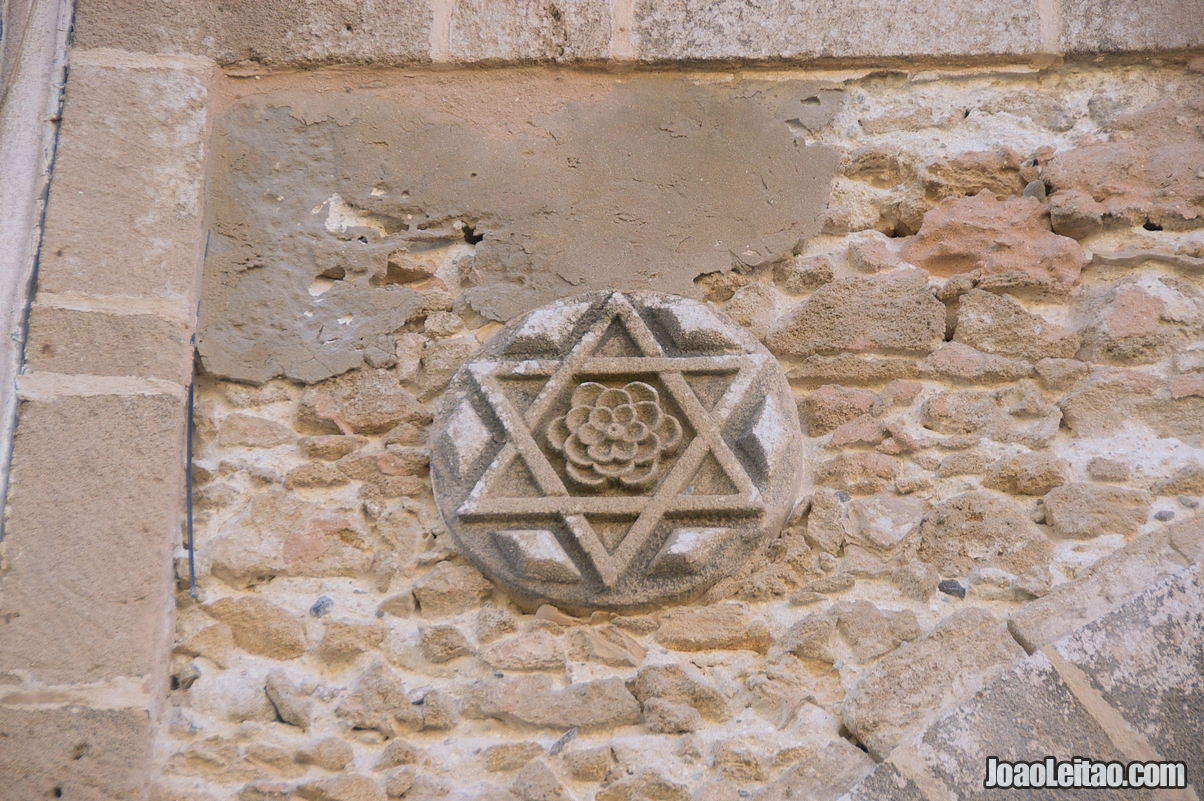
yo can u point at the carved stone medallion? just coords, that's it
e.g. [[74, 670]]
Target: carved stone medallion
[[615, 450]]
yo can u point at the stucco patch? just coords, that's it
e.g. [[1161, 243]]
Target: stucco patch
[[641, 182]]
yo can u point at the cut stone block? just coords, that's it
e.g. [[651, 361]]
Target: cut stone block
[[1146, 658], [1113, 579], [124, 214], [733, 29], [72, 341], [908, 688], [1110, 26], [1025, 714], [97, 488], [75, 752], [485, 30]]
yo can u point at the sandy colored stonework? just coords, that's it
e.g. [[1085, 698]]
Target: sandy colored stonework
[[983, 285]]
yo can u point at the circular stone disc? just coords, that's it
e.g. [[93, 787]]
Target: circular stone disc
[[615, 450]]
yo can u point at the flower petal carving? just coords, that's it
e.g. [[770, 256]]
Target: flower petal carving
[[617, 434]]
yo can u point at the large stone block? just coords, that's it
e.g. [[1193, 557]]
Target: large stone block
[[1026, 714], [147, 26], [74, 753], [124, 216], [528, 30], [1111, 26], [735, 29], [307, 32], [298, 32], [906, 690], [1110, 581], [63, 340], [885, 783], [95, 493], [1146, 658]]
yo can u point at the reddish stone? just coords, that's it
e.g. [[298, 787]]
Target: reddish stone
[[1002, 244], [1149, 172]]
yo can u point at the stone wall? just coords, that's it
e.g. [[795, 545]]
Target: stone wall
[[973, 241], [992, 360]]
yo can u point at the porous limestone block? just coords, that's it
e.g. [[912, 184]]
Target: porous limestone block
[[97, 487], [124, 214]]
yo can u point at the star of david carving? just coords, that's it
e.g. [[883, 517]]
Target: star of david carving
[[666, 496]]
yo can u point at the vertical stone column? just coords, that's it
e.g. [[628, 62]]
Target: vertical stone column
[[97, 471]]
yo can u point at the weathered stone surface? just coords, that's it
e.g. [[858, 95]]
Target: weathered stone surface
[[378, 700], [1187, 537], [533, 650], [679, 685], [726, 626], [536, 701], [73, 341], [995, 171], [885, 782], [274, 533], [1108, 400], [343, 641], [525, 31], [1029, 712], [291, 704], [1032, 473], [1146, 658], [645, 786], [75, 752], [1000, 325], [348, 787], [823, 775], [960, 362], [538, 782], [893, 311], [1110, 581], [511, 756], [1142, 320], [832, 405], [261, 627], [1082, 510], [872, 632], [241, 430], [692, 30], [906, 690], [800, 274], [980, 529], [450, 589], [589, 764], [96, 481], [328, 753], [359, 402], [574, 507], [1142, 173], [128, 166], [1000, 244]]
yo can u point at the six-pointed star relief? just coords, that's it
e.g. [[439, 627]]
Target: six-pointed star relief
[[668, 495]]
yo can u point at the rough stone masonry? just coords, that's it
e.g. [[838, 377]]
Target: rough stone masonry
[[966, 243]]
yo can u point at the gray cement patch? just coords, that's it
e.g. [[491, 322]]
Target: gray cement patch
[[520, 186]]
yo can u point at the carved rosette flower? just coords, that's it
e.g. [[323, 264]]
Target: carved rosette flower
[[615, 435]]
